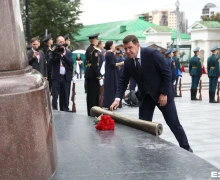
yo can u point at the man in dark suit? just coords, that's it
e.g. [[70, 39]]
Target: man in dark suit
[[61, 64], [36, 58], [153, 77]]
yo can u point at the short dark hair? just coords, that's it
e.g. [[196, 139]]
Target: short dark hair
[[130, 38], [108, 45], [34, 39]]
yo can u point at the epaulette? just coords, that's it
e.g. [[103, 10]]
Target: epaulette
[[95, 49]]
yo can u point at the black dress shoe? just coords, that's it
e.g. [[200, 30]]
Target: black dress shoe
[[190, 150]]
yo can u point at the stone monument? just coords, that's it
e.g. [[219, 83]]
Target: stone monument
[[27, 138]]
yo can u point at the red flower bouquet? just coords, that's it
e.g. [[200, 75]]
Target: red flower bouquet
[[105, 123]]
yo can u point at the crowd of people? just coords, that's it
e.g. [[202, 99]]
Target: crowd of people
[[110, 71], [55, 63]]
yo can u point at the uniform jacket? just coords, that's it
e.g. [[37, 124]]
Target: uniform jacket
[[171, 64], [177, 62], [156, 77], [195, 68], [54, 65], [33, 61], [213, 66], [92, 63]]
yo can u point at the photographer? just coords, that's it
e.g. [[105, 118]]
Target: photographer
[[61, 63], [36, 58]]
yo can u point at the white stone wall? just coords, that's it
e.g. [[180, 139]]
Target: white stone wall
[[205, 39], [161, 39]]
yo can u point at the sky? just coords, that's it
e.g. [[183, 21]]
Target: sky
[[100, 11]]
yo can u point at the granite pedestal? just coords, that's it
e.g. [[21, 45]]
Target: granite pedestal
[[123, 154], [27, 138]]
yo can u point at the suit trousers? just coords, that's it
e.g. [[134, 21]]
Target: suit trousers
[[146, 111], [60, 88]]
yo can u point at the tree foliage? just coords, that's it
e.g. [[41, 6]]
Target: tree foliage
[[214, 17], [59, 17]]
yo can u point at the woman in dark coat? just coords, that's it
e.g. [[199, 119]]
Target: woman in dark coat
[[111, 77]]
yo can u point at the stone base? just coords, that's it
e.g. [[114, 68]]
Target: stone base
[[27, 138], [123, 154]]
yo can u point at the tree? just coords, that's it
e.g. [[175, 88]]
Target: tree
[[214, 17], [59, 17]]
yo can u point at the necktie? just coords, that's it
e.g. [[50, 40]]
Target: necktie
[[138, 66]]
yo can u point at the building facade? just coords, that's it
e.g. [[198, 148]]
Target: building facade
[[205, 34], [166, 17], [209, 10]]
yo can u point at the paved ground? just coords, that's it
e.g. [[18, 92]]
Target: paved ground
[[200, 119]]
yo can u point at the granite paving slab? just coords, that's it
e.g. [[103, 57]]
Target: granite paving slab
[[123, 154]]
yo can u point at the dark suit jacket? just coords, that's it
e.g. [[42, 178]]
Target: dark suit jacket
[[156, 76], [54, 65], [41, 66]]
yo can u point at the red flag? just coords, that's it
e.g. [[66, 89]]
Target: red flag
[[183, 69], [203, 70]]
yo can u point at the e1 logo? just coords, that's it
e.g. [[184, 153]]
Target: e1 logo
[[215, 174]]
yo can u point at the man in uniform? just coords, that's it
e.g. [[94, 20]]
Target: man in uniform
[[213, 73], [178, 67], [195, 71], [92, 74], [171, 64], [48, 42]]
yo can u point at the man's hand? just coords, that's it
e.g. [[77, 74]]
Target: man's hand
[[114, 105], [36, 54], [162, 100]]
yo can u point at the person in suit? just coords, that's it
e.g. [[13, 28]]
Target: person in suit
[[61, 64], [154, 79], [195, 71], [48, 42], [93, 77], [213, 73], [68, 42], [36, 57]]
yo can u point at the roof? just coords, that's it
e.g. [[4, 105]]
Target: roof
[[111, 30], [162, 29], [210, 24], [182, 36]]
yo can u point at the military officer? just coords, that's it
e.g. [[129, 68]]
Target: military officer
[[213, 73], [171, 64], [92, 74], [195, 71], [178, 66]]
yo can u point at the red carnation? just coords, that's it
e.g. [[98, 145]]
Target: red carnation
[[105, 123]]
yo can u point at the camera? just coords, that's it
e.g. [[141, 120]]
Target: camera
[[59, 49]]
